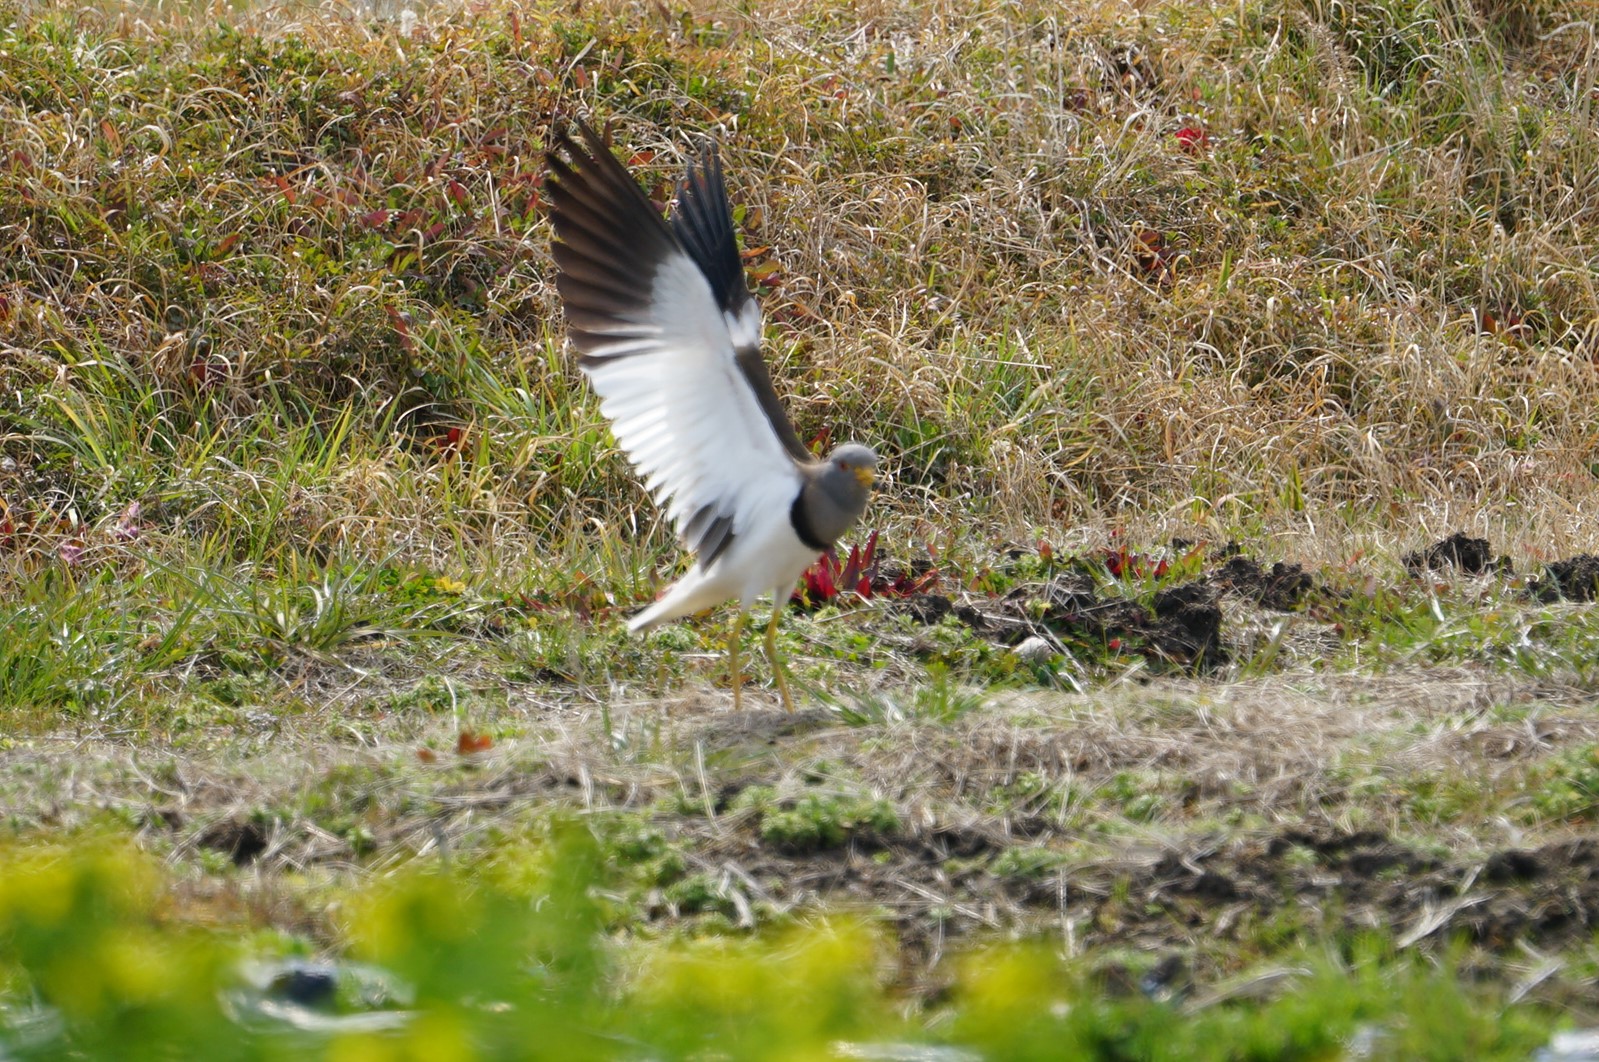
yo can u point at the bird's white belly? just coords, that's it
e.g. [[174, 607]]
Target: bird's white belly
[[760, 563]]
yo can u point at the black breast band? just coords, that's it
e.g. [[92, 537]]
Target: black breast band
[[801, 521]]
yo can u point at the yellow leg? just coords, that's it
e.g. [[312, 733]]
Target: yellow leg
[[732, 657], [771, 657]]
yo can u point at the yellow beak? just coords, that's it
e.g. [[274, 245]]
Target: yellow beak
[[866, 477]]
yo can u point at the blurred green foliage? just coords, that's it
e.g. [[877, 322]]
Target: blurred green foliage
[[517, 961]]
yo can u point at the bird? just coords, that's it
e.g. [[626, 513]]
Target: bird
[[669, 336]]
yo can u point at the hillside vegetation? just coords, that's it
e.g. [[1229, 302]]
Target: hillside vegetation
[[1291, 268]]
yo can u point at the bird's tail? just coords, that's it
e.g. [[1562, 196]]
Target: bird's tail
[[689, 595]]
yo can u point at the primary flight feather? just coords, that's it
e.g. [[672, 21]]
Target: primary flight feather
[[670, 338]]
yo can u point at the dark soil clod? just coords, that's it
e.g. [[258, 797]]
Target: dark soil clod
[[242, 842], [1281, 589], [1574, 579], [1473, 556], [1189, 625], [925, 608], [1183, 627], [1173, 599], [1512, 865]]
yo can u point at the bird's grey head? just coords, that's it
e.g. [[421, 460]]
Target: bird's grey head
[[850, 475], [838, 491]]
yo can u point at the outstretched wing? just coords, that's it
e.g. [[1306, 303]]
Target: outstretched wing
[[703, 222], [660, 335]]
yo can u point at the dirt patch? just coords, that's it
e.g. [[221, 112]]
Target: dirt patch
[[1460, 551], [1181, 625], [1319, 882], [1200, 897], [1282, 588], [1002, 821], [242, 841], [1102, 815], [1570, 579], [1574, 579], [1186, 625]]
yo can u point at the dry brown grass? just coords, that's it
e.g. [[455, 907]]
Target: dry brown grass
[[1358, 315]]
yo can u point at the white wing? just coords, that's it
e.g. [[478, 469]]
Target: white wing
[[664, 355]]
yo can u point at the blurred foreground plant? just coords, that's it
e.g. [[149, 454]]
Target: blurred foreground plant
[[515, 960]]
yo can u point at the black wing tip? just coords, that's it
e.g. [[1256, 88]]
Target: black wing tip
[[705, 170], [575, 166], [572, 164], [703, 223], [702, 189], [607, 232], [561, 131]]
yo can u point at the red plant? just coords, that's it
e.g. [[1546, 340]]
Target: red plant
[[827, 578], [861, 574], [1123, 563], [1126, 564], [448, 444], [1510, 324], [1191, 138]]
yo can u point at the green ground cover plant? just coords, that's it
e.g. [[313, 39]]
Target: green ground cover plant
[[513, 962]]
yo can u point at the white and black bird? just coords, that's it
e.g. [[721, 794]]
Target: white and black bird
[[670, 338]]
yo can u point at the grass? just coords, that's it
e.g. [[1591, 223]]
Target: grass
[[313, 544], [383, 282]]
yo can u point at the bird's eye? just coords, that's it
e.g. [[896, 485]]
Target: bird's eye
[[843, 464]]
